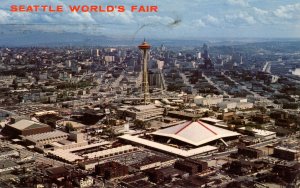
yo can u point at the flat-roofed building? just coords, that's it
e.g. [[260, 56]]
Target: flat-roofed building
[[8, 166], [58, 172], [244, 105], [110, 152], [154, 161], [26, 127], [250, 152], [208, 100], [165, 174], [141, 112], [191, 166], [183, 115], [227, 105], [111, 169], [259, 133], [65, 155], [47, 138], [286, 153]]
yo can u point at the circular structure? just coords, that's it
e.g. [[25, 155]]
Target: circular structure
[[144, 46]]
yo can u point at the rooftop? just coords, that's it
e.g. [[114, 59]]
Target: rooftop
[[27, 124], [169, 149], [195, 133], [65, 155], [47, 135], [144, 107], [259, 132], [109, 151], [7, 164], [213, 120], [287, 149]]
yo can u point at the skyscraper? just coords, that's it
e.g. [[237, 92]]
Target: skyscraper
[[205, 54]]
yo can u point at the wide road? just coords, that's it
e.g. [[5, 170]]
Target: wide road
[[215, 85]]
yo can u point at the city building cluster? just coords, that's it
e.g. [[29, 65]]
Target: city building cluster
[[150, 116]]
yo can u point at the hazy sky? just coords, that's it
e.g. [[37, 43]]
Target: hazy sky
[[199, 19]]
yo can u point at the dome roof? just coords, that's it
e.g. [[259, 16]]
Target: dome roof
[[198, 97]]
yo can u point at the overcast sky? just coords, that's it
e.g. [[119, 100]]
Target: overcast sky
[[196, 19]]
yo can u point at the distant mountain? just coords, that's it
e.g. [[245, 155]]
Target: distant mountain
[[24, 38], [35, 38]]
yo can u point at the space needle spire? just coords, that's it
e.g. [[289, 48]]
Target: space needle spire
[[145, 47]]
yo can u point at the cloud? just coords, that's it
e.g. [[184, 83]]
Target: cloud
[[241, 18], [199, 23], [290, 11], [226, 21], [7, 17], [116, 17], [243, 3], [4, 16], [84, 17], [282, 15], [155, 19], [260, 11], [209, 15], [211, 20]]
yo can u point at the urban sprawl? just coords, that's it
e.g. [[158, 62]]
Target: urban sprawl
[[151, 116]]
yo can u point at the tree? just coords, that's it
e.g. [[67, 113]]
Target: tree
[[141, 124], [263, 110], [69, 127], [248, 128]]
